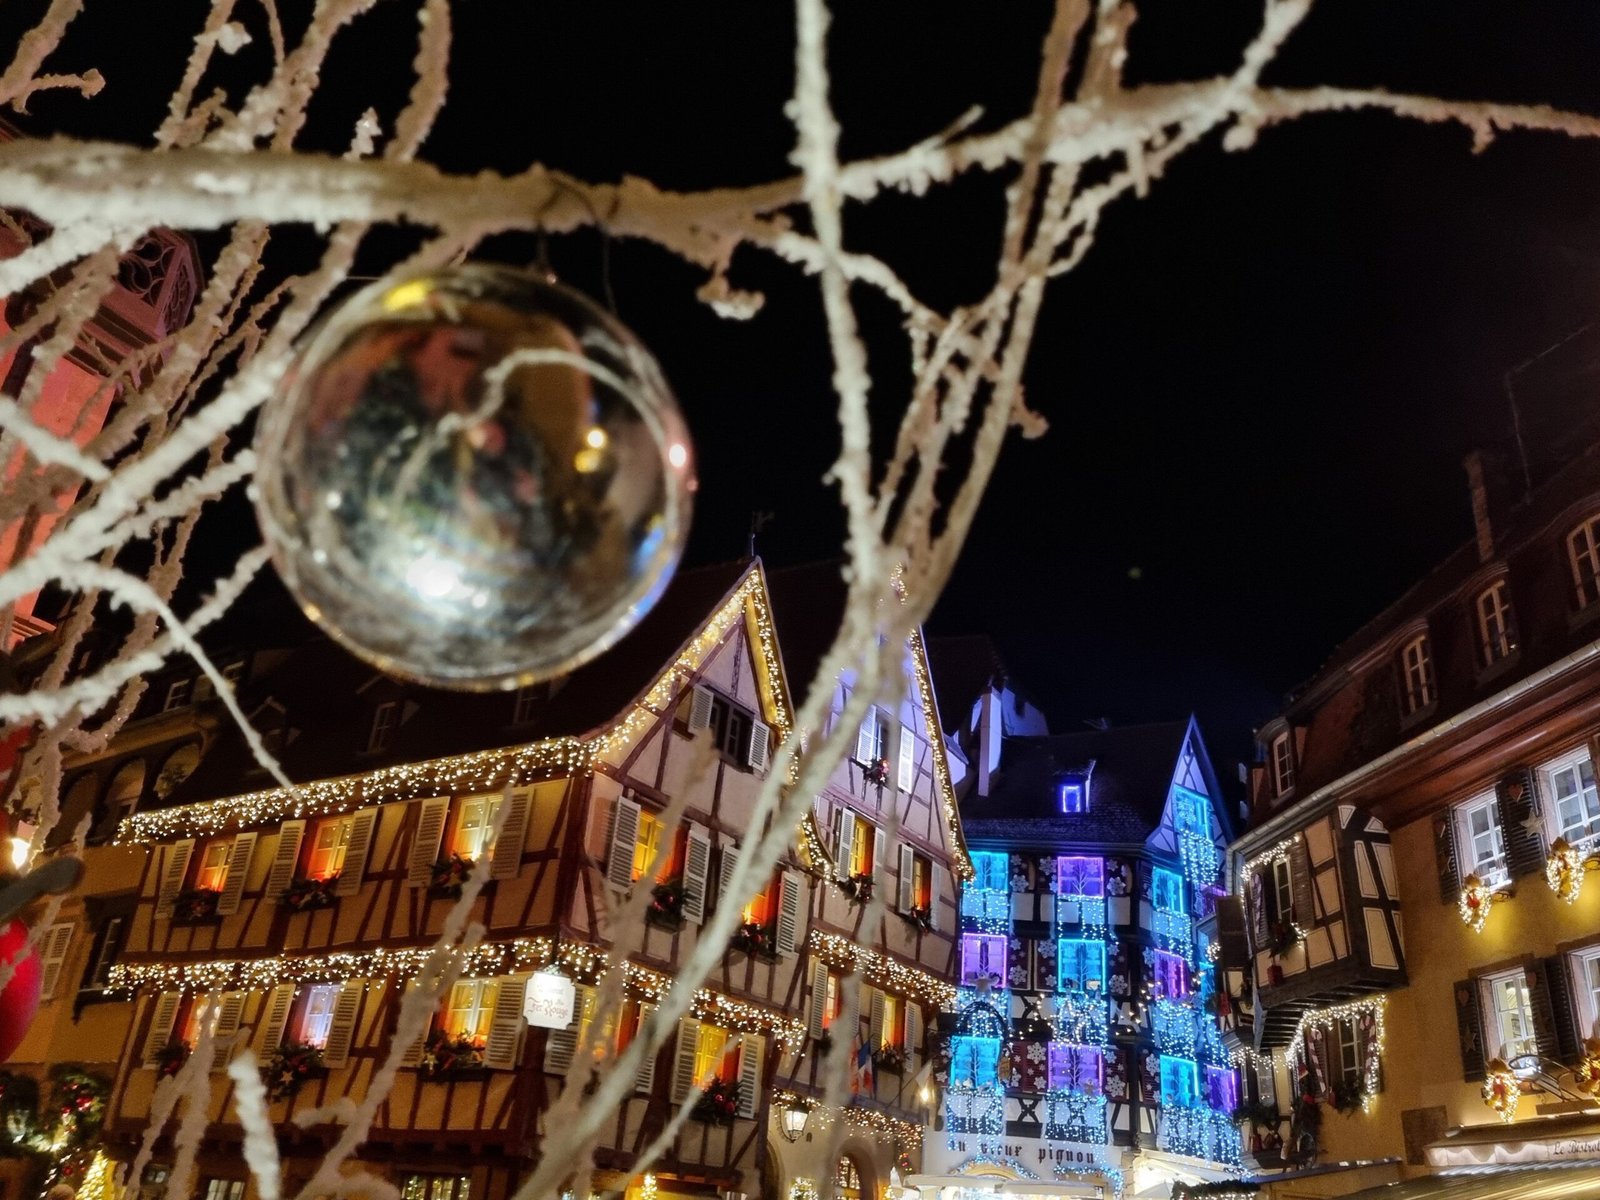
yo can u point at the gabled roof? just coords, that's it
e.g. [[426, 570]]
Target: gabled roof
[[808, 609]]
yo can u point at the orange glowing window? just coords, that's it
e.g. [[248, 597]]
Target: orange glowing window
[[213, 870]]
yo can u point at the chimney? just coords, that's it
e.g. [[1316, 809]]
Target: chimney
[[1478, 486]]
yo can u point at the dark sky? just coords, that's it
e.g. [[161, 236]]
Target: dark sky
[[1261, 381]]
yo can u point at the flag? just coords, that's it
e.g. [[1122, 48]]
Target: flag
[[861, 1072]]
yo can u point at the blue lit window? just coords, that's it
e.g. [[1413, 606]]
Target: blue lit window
[[1189, 812], [1073, 796], [974, 1061], [1080, 876], [1168, 891], [992, 870], [983, 956], [1179, 1086], [1080, 965]]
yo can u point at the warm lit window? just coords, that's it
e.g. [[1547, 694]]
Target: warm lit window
[[649, 839], [872, 739], [223, 1189], [1416, 673], [435, 1187], [921, 883], [1282, 763], [178, 693], [212, 872], [315, 1017], [1587, 963], [1495, 637], [475, 820], [1479, 840], [1576, 808], [763, 906], [894, 1021], [328, 845], [470, 1009], [712, 1059], [1510, 1011], [1583, 553], [384, 718], [833, 1002], [186, 1025], [855, 841]]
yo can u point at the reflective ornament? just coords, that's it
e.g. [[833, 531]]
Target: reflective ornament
[[474, 478]]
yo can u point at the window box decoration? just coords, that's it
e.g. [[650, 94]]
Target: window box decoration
[[718, 1104], [922, 918], [1502, 1090], [858, 888], [1282, 935], [290, 1066], [448, 874], [666, 904], [1477, 898], [756, 940], [78, 1099], [890, 1058], [876, 772], [1566, 867], [308, 895], [446, 1057], [1586, 1075], [1346, 1097], [171, 1059], [195, 904]]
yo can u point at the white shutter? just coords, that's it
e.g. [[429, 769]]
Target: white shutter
[[683, 1059], [413, 1054], [760, 745], [173, 872], [696, 873], [817, 1026], [913, 1035], [53, 957], [504, 864], [905, 899], [730, 860], [244, 845], [342, 1028], [229, 1009], [278, 1005], [933, 895], [699, 709], [752, 1052], [164, 1013], [356, 852], [788, 912], [880, 856], [867, 737], [503, 1047], [425, 839], [285, 858], [646, 1080], [561, 1044], [624, 836], [844, 837], [906, 777], [875, 1021]]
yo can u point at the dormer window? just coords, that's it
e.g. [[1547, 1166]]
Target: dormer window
[[1418, 687], [1583, 555], [1073, 796], [384, 719], [1282, 764], [1496, 639]]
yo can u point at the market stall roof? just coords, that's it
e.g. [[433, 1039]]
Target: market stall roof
[[1541, 1182]]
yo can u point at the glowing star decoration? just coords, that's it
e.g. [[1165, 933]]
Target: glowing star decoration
[[1477, 898], [474, 478], [1566, 868], [1586, 1075], [1502, 1090]]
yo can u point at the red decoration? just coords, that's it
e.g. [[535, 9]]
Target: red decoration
[[20, 999]]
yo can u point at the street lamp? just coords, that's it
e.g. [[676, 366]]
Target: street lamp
[[795, 1115]]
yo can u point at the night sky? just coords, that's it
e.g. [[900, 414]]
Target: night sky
[[1260, 383]]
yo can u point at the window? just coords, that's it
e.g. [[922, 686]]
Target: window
[[1576, 810], [855, 842], [847, 1180], [991, 871], [1282, 764], [1073, 797], [1179, 1083], [475, 820], [1172, 975], [1349, 1052], [730, 730], [1588, 964], [316, 1014], [328, 846], [1167, 891], [223, 1189], [894, 1021], [983, 956], [1480, 842], [974, 1061], [384, 719], [435, 1187], [1222, 1089], [1077, 876], [1510, 1015], [470, 1009], [644, 848], [1266, 1083], [178, 693], [1080, 965], [833, 1001], [921, 882], [212, 872], [1282, 890], [1075, 1068], [522, 708], [1496, 640], [711, 1057], [872, 740], [763, 906], [1416, 674], [106, 949], [1583, 552]]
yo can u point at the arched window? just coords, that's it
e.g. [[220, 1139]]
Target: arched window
[[1417, 685], [1583, 554], [1496, 636], [847, 1179]]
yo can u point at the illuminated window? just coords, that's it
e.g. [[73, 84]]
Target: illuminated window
[[328, 845], [223, 1189], [186, 1025], [1075, 1068], [974, 1060], [1282, 764], [1416, 674], [1172, 974], [1583, 553], [435, 1187], [1576, 811], [384, 719], [644, 849], [983, 956], [1222, 1089], [833, 1002], [316, 1014], [894, 1021], [1496, 639], [1179, 1083], [763, 906], [1511, 1029], [1080, 965], [1167, 891], [921, 882], [872, 739], [1587, 964], [847, 1180], [992, 870], [475, 821], [712, 1058], [212, 872], [1073, 797], [1480, 843], [862, 842], [470, 1009], [1077, 876]]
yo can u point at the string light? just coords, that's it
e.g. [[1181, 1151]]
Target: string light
[[1477, 898], [804, 1188], [1502, 1090], [959, 858], [1371, 1006], [905, 1135], [882, 971], [647, 1186], [1566, 868], [1267, 858]]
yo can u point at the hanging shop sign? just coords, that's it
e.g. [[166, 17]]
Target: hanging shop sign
[[549, 1000]]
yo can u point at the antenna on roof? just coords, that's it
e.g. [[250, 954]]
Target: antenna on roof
[[759, 520]]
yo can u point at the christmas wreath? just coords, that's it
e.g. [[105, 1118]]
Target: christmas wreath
[[195, 904], [448, 874], [755, 939], [718, 1104], [890, 1058], [666, 904], [857, 887], [876, 772]]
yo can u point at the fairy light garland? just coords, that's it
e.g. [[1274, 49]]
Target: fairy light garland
[[1502, 1090], [906, 1135], [1354, 1010], [959, 859], [882, 971], [1267, 858], [1476, 899]]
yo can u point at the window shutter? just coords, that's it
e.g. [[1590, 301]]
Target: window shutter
[[699, 709], [1260, 934], [880, 856], [342, 1028], [163, 1014], [561, 1044], [696, 872], [818, 1024], [624, 836], [285, 858], [729, 859], [356, 852], [906, 776], [425, 839], [1444, 852], [1470, 1030], [503, 1047], [278, 1005], [173, 872], [683, 1059], [229, 1010], [505, 863], [760, 745], [646, 1080], [875, 1021], [866, 737], [413, 1054], [913, 1033], [239, 855], [53, 957], [1300, 883], [788, 912], [751, 1053], [1525, 851], [933, 895], [904, 899], [844, 837]]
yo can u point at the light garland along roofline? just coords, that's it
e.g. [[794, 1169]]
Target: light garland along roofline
[[880, 970], [959, 858]]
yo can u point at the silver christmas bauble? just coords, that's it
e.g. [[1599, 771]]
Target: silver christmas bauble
[[474, 478]]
